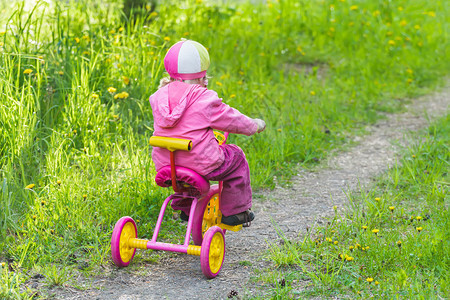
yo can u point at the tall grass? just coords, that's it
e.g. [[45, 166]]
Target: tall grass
[[75, 121]]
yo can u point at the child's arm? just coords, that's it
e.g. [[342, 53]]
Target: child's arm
[[225, 118]]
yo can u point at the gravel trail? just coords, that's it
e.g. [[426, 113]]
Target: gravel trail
[[311, 197]]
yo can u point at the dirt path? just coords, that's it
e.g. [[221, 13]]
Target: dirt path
[[312, 196]]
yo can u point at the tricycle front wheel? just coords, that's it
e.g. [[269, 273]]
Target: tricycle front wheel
[[206, 215]]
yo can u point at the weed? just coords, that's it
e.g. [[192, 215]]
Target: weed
[[392, 240]]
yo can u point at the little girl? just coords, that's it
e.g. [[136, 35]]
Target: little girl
[[184, 108]]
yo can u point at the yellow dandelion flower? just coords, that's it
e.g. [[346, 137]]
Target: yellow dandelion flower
[[34, 217], [58, 182], [30, 186], [121, 29], [377, 199], [27, 71], [376, 13], [375, 231], [419, 229], [399, 243], [409, 71], [61, 73], [218, 83], [391, 208], [77, 40], [377, 283], [432, 14], [3, 264], [241, 73], [367, 247], [354, 7], [369, 279], [413, 156], [115, 116], [312, 93], [112, 90], [84, 196], [112, 31], [108, 60], [391, 42], [417, 27], [95, 96], [335, 242], [166, 38], [126, 80], [351, 248], [186, 33], [70, 226], [86, 53], [40, 57], [328, 240], [43, 203], [410, 80], [240, 82], [418, 218], [232, 96], [153, 14], [2, 33], [349, 258], [279, 129], [121, 95], [364, 227]]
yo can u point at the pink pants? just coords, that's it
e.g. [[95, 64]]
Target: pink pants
[[235, 174]]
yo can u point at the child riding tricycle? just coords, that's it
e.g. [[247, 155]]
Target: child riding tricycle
[[188, 154]]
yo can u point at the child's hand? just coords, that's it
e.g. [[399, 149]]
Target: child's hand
[[261, 125]]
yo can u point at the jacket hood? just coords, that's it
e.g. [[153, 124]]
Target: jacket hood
[[170, 102]]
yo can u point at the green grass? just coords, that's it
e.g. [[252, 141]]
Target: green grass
[[393, 241], [315, 71]]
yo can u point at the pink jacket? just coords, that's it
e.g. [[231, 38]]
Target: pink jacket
[[189, 111]]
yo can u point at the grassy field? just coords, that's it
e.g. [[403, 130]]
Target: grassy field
[[391, 242], [75, 121]]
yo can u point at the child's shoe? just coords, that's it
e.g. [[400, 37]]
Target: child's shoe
[[184, 216], [245, 218]]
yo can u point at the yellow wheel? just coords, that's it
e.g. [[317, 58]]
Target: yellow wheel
[[207, 214], [212, 252], [121, 252]]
